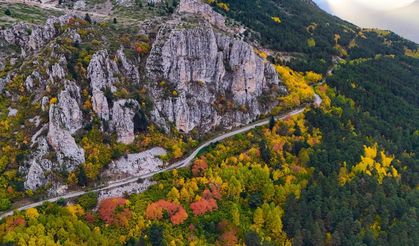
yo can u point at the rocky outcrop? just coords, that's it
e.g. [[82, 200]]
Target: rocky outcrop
[[102, 74], [30, 80], [136, 164], [207, 70], [65, 118], [128, 68], [122, 123], [197, 7], [38, 166], [4, 81], [32, 37]]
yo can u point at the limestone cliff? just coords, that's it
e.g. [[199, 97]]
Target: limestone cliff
[[205, 68]]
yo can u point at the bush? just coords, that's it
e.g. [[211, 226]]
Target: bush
[[88, 201], [5, 204], [8, 12]]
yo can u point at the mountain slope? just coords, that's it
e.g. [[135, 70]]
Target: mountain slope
[[86, 98]]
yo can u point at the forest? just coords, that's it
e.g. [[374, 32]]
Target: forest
[[343, 173]]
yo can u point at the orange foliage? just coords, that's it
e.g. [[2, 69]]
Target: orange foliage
[[199, 166], [228, 234], [214, 192], [176, 212], [89, 217], [109, 213], [142, 48], [202, 206]]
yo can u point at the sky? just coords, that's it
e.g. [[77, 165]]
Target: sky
[[399, 16]]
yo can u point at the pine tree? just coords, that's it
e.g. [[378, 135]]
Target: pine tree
[[271, 123], [8, 12], [87, 18], [82, 178], [264, 151]]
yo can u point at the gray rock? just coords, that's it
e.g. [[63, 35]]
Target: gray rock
[[44, 103], [56, 72], [79, 5], [128, 68], [32, 37], [102, 74], [65, 118], [4, 81], [38, 167], [204, 66], [137, 164], [12, 112], [123, 119], [197, 7]]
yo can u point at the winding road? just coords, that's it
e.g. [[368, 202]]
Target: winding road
[[182, 163]]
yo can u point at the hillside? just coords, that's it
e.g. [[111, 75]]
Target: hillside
[[104, 95]]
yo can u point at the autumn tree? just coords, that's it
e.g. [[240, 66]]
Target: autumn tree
[[176, 212], [113, 211], [271, 123], [203, 206], [199, 166]]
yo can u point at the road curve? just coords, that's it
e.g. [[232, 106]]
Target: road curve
[[182, 163]]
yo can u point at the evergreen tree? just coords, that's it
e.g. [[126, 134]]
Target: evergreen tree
[[264, 151], [252, 239], [156, 235], [140, 122], [271, 123], [8, 12], [87, 18], [82, 178]]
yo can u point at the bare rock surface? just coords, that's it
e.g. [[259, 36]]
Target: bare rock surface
[[197, 7], [131, 188], [65, 118], [206, 68], [102, 74], [123, 113], [38, 166], [137, 164]]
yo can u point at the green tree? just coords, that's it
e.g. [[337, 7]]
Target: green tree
[[264, 151], [81, 177], [8, 12], [5, 204], [271, 123], [87, 18], [88, 201], [156, 235], [252, 239]]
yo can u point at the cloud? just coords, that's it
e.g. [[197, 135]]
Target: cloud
[[403, 21]]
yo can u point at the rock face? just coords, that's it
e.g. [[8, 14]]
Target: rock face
[[65, 118], [38, 167], [205, 69], [123, 113], [196, 7], [137, 164], [102, 74], [128, 68], [31, 37]]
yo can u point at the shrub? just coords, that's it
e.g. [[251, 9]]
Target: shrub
[[88, 201]]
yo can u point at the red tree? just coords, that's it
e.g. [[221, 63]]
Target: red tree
[[199, 166], [203, 206], [113, 211], [176, 212]]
